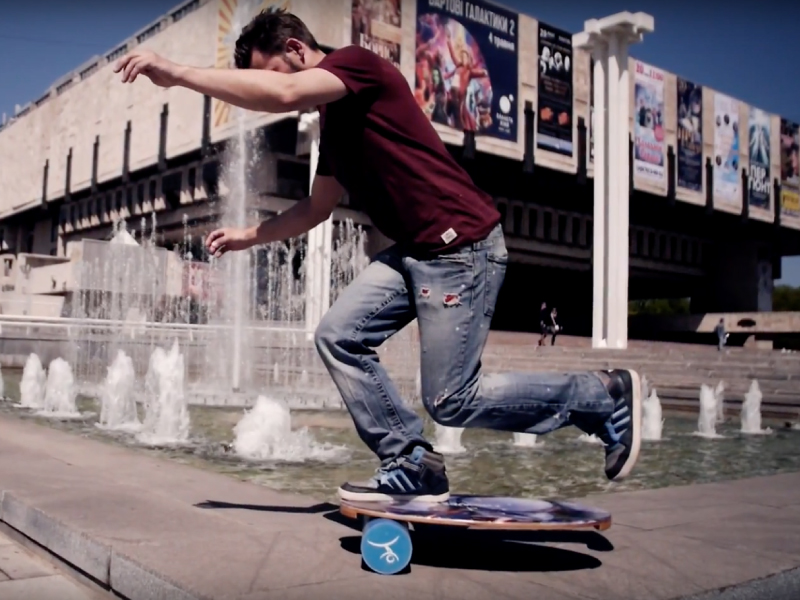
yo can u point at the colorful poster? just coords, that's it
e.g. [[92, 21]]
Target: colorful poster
[[376, 27], [591, 110], [554, 123], [466, 66], [726, 150], [690, 135], [790, 168], [759, 185], [232, 17], [649, 154]]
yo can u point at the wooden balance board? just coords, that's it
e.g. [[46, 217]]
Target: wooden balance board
[[386, 545]]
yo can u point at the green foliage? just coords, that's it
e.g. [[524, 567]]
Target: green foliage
[[785, 298], [661, 307]]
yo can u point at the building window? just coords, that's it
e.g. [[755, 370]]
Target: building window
[[533, 219], [119, 201], [516, 213], [108, 203], [53, 232], [153, 190], [140, 196], [548, 225], [72, 215], [129, 200]]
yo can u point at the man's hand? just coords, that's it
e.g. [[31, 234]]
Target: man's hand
[[159, 70], [230, 239]]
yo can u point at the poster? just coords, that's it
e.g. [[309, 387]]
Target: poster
[[554, 122], [466, 66], [233, 15], [790, 168], [726, 149], [649, 152], [758, 177], [690, 135], [376, 27]]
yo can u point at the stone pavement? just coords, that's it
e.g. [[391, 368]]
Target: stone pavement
[[24, 576], [153, 529]]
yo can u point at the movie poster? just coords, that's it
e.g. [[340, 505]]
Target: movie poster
[[466, 66], [690, 135], [649, 152], [376, 27], [726, 149], [591, 110], [790, 168], [759, 185], [554, 122]]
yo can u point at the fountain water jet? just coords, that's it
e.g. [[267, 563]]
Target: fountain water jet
[[31, 387], [447, 440], [719, 399], [585, 438], [707, 419], [118, 406], [265, 433], [751, 411], [526, 440], [652, 420], [2, 386], [60, 392], [166, 420]]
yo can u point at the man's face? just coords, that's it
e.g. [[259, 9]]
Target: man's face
[[291, 60]]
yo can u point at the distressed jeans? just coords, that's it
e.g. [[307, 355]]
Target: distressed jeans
[[453, 297]]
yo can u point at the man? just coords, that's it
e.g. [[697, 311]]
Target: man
[[445, 269], [722, 336]]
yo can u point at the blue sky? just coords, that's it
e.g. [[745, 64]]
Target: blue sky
[[750, 50]]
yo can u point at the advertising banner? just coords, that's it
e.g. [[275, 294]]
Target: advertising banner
[[726, 149], [466, 66], [649, 144], [233, 15], [554, 123], [759, 185], [377, 27], [790, 168], [690, 135]]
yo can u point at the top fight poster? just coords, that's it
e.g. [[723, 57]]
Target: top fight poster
[[466, 66], [759, 183], [377, 27], [790, 168], [648, 123], [554, 125]]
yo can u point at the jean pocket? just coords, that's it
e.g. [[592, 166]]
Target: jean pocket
[[495, 273]]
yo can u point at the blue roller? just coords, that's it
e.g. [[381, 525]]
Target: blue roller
[[386, 546]]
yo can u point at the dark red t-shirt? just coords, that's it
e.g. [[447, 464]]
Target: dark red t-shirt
[[383, 150]]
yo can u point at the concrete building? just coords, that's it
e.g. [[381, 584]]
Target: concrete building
[[91, 151]]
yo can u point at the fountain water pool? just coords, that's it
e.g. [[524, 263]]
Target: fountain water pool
[[526, 440]]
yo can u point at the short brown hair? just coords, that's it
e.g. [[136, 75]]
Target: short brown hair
[[268, 32]]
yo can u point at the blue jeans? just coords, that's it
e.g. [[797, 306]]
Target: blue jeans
[[453, 297]]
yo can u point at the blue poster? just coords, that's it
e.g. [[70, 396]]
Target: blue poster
[[690, 135], [466, 66], [759, 183], [554, 125]]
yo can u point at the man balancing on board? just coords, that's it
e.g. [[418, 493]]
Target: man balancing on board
[[445, 269]]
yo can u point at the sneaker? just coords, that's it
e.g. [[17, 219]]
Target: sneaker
[[419, 476], [621, 433]]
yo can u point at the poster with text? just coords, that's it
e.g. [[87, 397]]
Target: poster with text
[[649, 152], [232, 16], [377, 25], [690, 135], [790, 168], [466, 66], [554, 122], [758, 128], [591, 110], [726, 149]]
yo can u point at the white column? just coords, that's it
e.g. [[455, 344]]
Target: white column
[[599, 253]]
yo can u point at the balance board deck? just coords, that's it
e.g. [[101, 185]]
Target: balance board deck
[[484, 512]]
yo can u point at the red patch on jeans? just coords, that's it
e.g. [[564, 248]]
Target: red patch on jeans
[[452, 300], [425, 292]]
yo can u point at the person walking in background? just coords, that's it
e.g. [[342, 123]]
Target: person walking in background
[[554, 326], [544, 319], [722, 336]]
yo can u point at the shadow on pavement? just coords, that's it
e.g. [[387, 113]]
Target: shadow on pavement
[[313, 509]]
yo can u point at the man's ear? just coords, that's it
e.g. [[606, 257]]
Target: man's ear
[[293, 45]]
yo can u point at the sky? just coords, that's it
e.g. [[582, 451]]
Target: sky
[[749, 50]]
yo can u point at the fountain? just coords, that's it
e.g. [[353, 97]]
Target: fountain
[[707, 419], [585, 438], [526, 440], [118, 406], [265, 433], [2, 386], [166, 420], [447, 440], [719, 399], [31, 387], [652, 421], [751, 411], [60, 392]]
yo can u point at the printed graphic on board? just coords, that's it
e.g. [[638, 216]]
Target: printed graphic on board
[[466, 66], [690, 135], [649, 152], [726, 150], [758, 182], [233, 16], [376, 27], [554, 122], [790, 168]]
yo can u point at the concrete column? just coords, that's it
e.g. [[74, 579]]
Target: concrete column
[[608, 40]]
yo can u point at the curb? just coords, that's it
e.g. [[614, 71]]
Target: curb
[[780, 586], [101, 562]]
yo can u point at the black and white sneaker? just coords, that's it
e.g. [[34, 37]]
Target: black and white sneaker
[[419, 476], [621, 433]]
